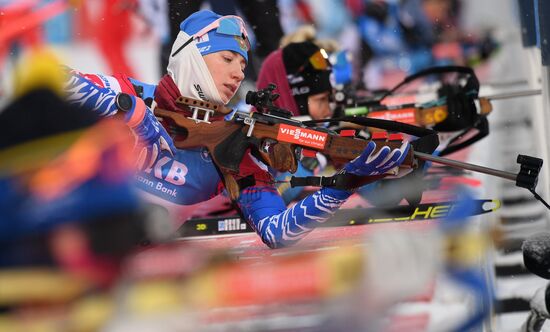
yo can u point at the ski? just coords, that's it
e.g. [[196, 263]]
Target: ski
[[351, 217]]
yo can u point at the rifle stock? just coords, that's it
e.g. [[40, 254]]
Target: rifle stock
[[208, 135]]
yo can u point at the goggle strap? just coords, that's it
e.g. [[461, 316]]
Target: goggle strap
[[182, 46]]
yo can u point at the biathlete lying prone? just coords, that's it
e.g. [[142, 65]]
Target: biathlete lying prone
[[207, 62]]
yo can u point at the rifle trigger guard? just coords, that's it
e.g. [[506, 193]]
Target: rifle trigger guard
[[267, 145]]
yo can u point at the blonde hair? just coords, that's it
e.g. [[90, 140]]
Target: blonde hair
[[308, 33]]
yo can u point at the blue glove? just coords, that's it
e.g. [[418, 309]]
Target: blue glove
[[149, 132], [376, 163]]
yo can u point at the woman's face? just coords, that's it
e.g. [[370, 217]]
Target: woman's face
[[319, 106], [227, 70]]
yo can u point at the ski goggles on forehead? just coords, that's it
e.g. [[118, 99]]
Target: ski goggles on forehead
[[229, 25], [318, 60]]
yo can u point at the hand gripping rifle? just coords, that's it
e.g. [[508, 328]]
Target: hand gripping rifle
[[270, 134]]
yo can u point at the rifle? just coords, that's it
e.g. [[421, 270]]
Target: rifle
[[454, 110], [278, 139], [424, 114], [275, 138]]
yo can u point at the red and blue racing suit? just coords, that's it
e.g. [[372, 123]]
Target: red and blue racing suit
[[186, 177]]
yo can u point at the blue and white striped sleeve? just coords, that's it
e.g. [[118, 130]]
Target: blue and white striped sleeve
[[279, 226]]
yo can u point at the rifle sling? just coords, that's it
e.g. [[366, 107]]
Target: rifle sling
[[482, 125], [338, 181], [473, 82]]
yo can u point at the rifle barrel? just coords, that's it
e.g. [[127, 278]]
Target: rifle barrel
[[470, 167], [509, 83], [516, 94]]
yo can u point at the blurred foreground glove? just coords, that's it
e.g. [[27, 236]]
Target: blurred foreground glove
[[145, 126], [376, 163]]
